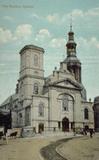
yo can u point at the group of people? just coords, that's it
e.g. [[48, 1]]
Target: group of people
[[85, 131], [91, 131]]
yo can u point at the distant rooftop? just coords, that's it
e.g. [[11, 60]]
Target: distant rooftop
[[96, 99]]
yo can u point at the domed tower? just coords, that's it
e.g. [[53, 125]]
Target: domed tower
[[73, 63]]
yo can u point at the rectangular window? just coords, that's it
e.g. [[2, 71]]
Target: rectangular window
[[27, 116], [59, 124], [41, 110]]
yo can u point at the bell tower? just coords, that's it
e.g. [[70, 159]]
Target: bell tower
[[73, 63], [31, 71]]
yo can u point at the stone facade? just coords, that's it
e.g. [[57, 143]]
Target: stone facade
[[96, 113], [55, 103]]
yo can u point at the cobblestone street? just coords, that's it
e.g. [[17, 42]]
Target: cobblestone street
[[26, 148], [80, 148]]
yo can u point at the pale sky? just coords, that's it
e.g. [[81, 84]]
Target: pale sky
[[46, 23]]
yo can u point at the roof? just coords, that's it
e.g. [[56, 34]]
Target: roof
[[9, 99], [72, 59], [4, 112], [32, 47], [76, 84]]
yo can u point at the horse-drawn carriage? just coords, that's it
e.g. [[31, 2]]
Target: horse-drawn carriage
[[3, 135], [5, 123]]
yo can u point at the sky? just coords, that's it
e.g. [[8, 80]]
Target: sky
[[46, 24]]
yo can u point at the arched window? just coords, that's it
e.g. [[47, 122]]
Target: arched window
[[21, 84], [20, 115], [67, 102], [35, 60], [41, 110], [36, 88], [86, 115], [15, 106]]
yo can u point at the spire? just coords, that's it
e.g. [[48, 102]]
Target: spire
[[73, 63], [71, 45], [71, 33], [70, 28], [71, 23]]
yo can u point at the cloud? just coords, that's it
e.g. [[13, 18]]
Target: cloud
[[88, 49], [84, 14], [35, 16], [75, 14], [43, 35], [54, 18], [5, 35], [59, 19], [44, 32], [21, 31], [9, 18], [92, 12], [91, 42], [57, 42]]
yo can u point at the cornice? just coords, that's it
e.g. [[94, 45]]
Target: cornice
[[31, 47]]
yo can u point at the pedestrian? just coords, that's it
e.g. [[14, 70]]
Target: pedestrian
[[84, 131], [74, 132], [91, 132]]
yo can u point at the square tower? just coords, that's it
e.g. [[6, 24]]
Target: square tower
[[31, 72]]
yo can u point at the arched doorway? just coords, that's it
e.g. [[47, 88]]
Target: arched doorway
[[65, 124], [41, 128]]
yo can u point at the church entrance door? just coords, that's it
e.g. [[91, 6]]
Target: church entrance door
[[41, 128], [65, 124]]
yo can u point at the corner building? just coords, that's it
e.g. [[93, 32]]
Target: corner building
[[55, 103], [96, 113]]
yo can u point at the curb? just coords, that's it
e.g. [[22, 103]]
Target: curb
[[58, 152], [41, 158], [57, 148]]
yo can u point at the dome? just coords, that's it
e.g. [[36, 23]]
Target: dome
[[72, 59], [96, 100], [83, 93]]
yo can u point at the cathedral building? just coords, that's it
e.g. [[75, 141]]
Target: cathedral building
[[55, 103]]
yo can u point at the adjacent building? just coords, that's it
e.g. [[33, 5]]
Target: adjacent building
[[96, 113]]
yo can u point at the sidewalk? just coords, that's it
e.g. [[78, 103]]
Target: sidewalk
[[84, 148]]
